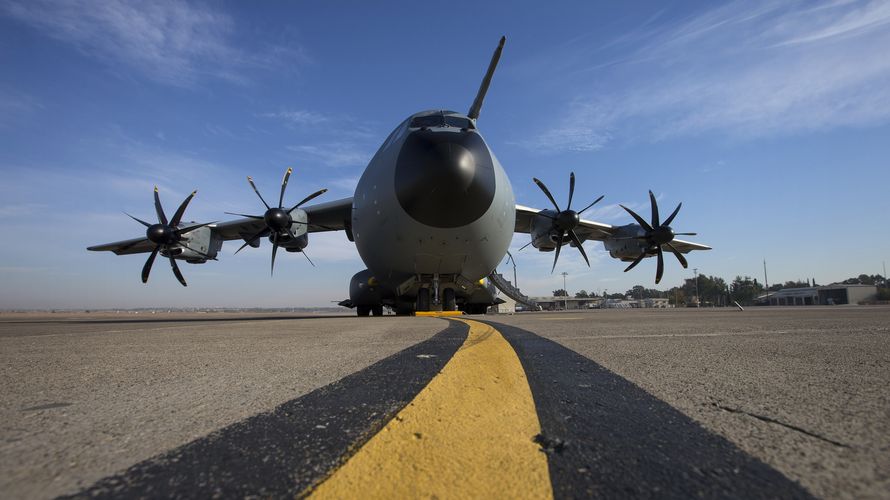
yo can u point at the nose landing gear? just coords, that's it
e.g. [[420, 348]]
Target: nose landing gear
[[427, 300]]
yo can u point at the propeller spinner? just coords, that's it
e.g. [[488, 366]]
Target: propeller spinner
[[657, 235], [278, 220], [566, 220]]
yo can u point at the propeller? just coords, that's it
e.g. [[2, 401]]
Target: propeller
[[566, 220], [657, 235], [166, 234], [277, 219]]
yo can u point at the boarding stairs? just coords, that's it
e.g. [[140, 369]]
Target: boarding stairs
[[507, 288]]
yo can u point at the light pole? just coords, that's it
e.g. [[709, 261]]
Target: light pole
[[565, 291], [697, 296]]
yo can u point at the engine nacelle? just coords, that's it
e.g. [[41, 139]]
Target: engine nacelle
[[625, 246], [364, 289], [202, 245], [543, 232]]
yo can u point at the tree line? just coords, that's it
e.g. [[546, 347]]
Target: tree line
[[713, 290]]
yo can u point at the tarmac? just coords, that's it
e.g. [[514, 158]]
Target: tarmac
[[766, 402]]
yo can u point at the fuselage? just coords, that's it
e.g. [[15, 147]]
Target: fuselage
[[434, 202]]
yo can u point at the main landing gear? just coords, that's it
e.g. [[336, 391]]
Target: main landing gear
[[365, 311]]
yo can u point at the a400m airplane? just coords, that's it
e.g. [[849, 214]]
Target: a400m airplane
[[432, 216]]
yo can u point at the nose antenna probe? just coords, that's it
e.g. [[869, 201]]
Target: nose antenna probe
[[473, 114]]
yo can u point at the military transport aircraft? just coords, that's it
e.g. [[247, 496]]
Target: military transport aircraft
[[432, 216]]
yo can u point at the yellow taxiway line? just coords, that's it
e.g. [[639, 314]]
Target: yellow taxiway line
[[468, 434]]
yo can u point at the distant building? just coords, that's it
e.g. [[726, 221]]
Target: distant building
[[569, 303], [554, 303], [834, 294]]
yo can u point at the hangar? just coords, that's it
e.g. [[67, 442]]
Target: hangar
[[834, 294]]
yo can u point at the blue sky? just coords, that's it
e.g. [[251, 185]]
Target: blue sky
[[768, 120]]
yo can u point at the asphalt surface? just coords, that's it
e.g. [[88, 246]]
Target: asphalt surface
[[675, 403], [805, 390], [88, 397]]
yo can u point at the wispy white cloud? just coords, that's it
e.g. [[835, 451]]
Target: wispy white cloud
[[171, 42], [334, 154], [21, 209], [744, 70], [346, 184], [297, 117]]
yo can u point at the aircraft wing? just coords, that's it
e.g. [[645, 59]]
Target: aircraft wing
[[331, 216], [126, 247], [586, 229], [687, 246]]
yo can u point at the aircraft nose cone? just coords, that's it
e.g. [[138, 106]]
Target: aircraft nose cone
[[444, 179]]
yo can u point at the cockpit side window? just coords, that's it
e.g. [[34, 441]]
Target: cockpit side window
[[431, 121]]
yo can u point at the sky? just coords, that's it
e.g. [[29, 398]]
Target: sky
[[769, 121]]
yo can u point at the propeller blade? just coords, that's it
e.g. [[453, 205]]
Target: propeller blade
[[577, 242], [253, 238], [146, 224], [146, 269], [571, 189], [284, 186], [678, 255], [523, 246], [685, 234], [592, 204], [659, 271], [654, 209], [635, 262], [257, 191], [192, 228], [176, 271], [546, 192], [274, 251], [307, 257], [257, 217], [158, 209], [310, 197], [639, 219], [673, 214], [181, 210], [556, 256]]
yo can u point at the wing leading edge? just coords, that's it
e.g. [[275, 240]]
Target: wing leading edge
[[330, 216]]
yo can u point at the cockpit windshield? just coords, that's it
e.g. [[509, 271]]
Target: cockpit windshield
[[430, 121]]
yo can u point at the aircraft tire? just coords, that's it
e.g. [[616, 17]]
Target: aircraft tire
[[363, 310], [448, 301], [423, 299], [377, 310]]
